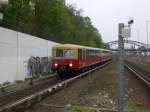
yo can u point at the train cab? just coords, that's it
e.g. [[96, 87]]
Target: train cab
[[65, 57]]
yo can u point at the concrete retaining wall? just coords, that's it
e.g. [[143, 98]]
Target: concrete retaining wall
[[15, 50]]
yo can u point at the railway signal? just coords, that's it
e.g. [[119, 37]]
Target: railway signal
[[124, 32]]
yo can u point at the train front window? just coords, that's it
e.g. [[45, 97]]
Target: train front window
[[68, 53], [59, 53], [64, 53]]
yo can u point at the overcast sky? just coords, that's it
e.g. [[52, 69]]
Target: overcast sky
[[106, 14]]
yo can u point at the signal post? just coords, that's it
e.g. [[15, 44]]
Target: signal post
[[124, 32]]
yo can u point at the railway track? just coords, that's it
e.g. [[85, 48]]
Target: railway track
[[17, 97], [37, 92], [12, 88], [140, 73]]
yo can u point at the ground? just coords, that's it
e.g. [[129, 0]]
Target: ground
[[137, 94], [98, 90], [142, 61]]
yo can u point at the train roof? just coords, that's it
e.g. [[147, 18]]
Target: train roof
[[66, 46], [77, 46]]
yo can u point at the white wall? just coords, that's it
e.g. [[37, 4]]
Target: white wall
[[15, 50]]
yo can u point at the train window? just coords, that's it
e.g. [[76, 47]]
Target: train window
[[93, 52], [105, 52], [87, 53], [84, 54], [96, 52], [100, 52], [59, 53], [68, 53], [80, 53]]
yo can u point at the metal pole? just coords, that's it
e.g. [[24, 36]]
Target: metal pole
[[121, 69], [147, 34], [138, 35], [138, 39]]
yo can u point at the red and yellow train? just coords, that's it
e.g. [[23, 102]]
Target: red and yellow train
[[69, 58]]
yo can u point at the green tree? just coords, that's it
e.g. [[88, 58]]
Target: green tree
[[52, 20], [18, 15]]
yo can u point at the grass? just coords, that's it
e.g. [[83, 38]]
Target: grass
[[79, 109], [134, 104]]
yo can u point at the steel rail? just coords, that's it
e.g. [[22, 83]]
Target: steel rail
[[3, 88], [141, 74], [49, 90]]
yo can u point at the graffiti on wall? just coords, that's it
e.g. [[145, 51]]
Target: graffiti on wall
[[38, 65]]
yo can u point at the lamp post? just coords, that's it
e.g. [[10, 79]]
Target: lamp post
[[123, 32]]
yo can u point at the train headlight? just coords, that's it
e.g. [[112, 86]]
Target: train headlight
[[56, 65], [70, 64]]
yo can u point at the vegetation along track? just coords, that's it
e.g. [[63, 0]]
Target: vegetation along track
[[140, 73], [11, 101]]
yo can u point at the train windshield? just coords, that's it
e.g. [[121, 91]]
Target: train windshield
[[68, 53], [64, 53]]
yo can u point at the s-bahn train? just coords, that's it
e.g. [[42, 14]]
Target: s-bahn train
[[69, 58]]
